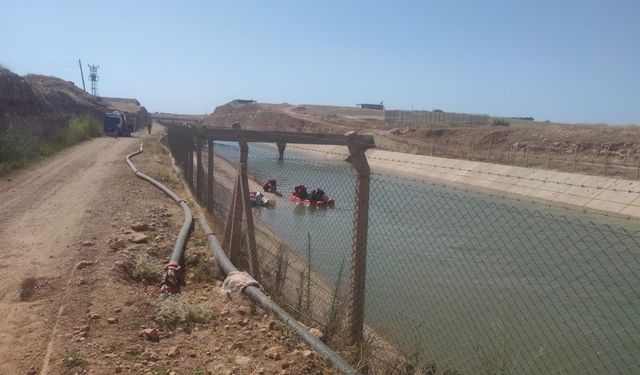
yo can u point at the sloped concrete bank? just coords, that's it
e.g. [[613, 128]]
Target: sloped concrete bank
[[592, 193]]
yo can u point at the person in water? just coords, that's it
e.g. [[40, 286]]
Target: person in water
[[318, 195], [301, 192], [270, 186]]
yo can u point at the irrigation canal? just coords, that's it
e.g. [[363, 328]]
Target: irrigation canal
[[469, 281]]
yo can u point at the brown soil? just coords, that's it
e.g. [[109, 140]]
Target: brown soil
[[39, 105], [60, 318], [560, 140]]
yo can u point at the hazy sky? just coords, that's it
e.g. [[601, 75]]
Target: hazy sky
[[570, 61]]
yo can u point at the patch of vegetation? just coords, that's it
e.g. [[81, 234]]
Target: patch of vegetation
[[360, 356], [176, 311], [73, 360], [18, 149], [337, 310], [501, 122], [146, 267], [200, 268]]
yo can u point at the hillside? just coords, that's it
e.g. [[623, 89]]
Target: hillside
[[38, 105], [558, 142]]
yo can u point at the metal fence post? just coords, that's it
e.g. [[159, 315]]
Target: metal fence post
[[234, 224], [359, 243], [210, 175], [489, 153], [281, 147], [606, 162], [190, 161], [248, 213], [508, 149], [199, 171], [575, 158], [549, 157], [526, 156]]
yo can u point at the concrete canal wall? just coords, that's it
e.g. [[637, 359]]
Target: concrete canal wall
[[591, 193]]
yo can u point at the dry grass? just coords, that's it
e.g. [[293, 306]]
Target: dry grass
[[145, 267], [175, 311]]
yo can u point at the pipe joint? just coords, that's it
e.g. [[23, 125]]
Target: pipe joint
[[170, 279]]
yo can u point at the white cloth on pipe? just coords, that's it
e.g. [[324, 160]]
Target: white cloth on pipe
[[237, 281]]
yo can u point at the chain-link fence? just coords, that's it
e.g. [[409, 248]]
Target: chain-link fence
[[459, 282]]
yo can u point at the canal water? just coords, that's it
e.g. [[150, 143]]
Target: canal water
[[469, 281]]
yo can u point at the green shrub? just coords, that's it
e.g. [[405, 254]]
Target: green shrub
[[80, 129], [500, 122], [19, 148], [16, 147]]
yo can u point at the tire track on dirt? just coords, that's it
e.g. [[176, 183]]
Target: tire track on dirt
[[42, 212]]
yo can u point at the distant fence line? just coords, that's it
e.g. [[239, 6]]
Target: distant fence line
[[436, 117]]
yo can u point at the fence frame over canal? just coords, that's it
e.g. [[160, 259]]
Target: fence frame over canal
[[186, 144]]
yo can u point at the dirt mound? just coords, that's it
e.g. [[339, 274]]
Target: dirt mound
[[286, 117], [39, 105]]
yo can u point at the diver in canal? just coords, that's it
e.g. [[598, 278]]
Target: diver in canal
[[270, 186], [318, 195], [301, 192]]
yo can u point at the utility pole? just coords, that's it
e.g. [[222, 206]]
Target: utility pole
[[82, 75], [93, 77]]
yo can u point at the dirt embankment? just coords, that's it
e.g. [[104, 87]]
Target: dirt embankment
[[38, 105], [619, 142]]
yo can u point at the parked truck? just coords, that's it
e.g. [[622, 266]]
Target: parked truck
[[115, 123]]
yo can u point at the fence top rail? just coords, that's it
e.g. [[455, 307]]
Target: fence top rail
[[229, 134]]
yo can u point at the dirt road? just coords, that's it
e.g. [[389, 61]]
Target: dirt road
[[42, 211], [73, 303]]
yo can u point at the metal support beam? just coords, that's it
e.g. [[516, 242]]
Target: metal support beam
[[359, 240], [226, 134]]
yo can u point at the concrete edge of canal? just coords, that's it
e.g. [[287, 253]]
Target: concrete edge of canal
[[592, 193]]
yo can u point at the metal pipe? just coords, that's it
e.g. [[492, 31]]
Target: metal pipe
[[172, 269], [256, 295]]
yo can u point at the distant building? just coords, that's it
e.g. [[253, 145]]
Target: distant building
[[243, 101], [371, 106]]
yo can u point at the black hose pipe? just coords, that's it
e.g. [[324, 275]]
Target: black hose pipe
[[256, 295], [172, 269]]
